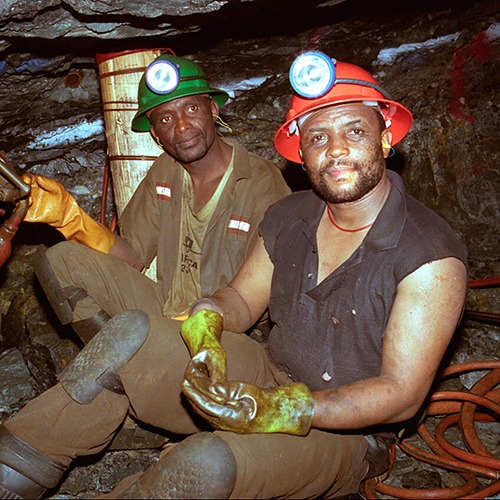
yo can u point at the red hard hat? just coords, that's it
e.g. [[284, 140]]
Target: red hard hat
[[361, 86]]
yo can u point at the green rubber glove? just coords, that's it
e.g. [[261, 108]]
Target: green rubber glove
[[245, 408], [201, 333]]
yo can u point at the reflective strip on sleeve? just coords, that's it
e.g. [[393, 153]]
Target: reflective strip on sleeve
[[163, 191], [238, 225]]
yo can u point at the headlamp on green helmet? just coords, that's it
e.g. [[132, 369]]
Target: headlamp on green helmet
[[162, 76], [168, 78]]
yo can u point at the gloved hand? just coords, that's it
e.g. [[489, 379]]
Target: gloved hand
[[52, 204], [201, 333], [245, 408]]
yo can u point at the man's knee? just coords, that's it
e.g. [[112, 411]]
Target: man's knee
[[201, 466], [66, 257], [49, 262], [62, 298]]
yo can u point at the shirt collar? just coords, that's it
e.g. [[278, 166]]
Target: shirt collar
[[388, 226], [241, 165]]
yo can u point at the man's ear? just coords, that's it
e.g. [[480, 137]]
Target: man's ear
[[152, 131], [386, 139], [214, 108]]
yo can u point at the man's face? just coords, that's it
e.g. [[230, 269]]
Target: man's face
[[341, 147], [185, 127]]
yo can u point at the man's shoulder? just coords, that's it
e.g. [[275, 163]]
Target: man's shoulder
[[423, 220], [263, 174], [293, 205], [161, 164], [426, 228], [256, 161]]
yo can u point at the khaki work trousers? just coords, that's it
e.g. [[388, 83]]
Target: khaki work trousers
[[322, 464]]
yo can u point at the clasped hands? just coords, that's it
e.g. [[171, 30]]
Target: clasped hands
[[232, 405]]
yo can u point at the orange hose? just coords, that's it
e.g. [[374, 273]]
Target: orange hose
[[478, 461]]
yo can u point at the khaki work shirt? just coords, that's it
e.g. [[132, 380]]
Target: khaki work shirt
[[151, 220]]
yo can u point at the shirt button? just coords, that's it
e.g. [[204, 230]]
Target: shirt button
[[310, 276], [326, 377]]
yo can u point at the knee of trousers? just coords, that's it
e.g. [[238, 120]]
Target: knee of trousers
[[97, 365], [201, 466], [24, 471], [62, 299]]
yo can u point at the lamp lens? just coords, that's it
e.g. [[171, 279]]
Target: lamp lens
[[162, 77], [312, 74]]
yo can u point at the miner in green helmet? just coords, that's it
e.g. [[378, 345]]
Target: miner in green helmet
[[197, 210]]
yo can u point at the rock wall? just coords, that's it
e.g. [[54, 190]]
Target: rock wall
[[440, 59]]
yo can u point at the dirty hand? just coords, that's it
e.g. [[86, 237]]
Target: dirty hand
[[52, 204], [201, 333], [245, 408]]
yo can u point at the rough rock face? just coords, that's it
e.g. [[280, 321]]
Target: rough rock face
[[440, 59]]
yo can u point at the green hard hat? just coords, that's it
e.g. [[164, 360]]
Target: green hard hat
[[168, 78]]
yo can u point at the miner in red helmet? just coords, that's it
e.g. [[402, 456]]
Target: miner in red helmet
[[365, 286]]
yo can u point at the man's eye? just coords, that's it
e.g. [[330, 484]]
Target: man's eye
[[357, 131], [193, 108], [166, 119]]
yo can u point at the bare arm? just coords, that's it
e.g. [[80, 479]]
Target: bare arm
[[123, 251], [246, 297], [426, 311]]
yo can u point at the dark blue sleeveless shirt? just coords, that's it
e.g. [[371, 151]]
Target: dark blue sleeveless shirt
[[331, 334]]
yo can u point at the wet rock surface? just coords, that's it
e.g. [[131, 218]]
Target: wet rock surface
[[440, 59]]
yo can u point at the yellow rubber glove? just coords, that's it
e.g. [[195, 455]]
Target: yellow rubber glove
[[52, 204], [201, 333], [245, 408]]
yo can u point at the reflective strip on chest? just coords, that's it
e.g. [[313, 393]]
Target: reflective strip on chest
[[238, 225], [163, 191]]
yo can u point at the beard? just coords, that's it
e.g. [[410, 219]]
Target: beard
[[369, 174], [192, 154]]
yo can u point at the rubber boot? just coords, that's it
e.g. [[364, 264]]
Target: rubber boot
[[24, 471], [201, 466]]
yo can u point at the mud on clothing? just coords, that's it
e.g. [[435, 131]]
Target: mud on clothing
[[151, 220], [331, 334]]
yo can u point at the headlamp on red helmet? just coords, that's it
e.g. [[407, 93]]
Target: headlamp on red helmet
[[313, 74]]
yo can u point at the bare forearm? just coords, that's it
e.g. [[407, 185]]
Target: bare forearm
[[123, 251], [237, 315], [366, 403], [229, 303]]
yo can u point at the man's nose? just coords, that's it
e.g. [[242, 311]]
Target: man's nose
[[181, 123], [337, 148]]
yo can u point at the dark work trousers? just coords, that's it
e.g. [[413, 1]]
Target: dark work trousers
[[322, 464]]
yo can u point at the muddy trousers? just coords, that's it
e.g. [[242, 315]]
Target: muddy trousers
[[104, 282], [322, 464]]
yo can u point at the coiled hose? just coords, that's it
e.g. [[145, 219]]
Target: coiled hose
[[460, 409]]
